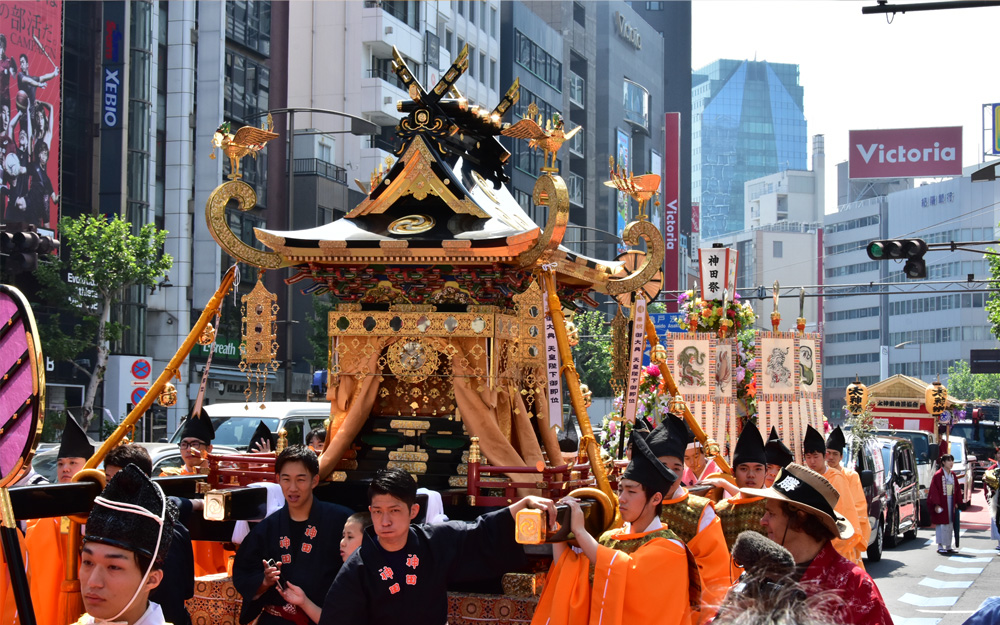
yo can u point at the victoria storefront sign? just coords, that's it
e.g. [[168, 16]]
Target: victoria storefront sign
[[906, 152], [627, 31]]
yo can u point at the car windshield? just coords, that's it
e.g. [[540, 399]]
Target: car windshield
[[958, 450], [887, 456], [988, 433], [235, 432], [920, 440]]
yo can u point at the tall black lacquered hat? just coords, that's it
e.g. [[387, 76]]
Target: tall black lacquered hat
[[670, 437], [836, 440], [776, 451], [646, 468], [74, 443], [749, 447], [198, 426], [119, 517], [813, 441], [262, 433]]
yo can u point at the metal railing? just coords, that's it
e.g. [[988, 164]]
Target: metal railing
[[388, 76], [318, 167]]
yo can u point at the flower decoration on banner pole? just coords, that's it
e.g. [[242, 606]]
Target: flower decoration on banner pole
[[856, 396], [653, 402], [775, 313], [800, 323], [701, 315]]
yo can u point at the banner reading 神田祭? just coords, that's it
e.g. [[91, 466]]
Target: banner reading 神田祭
[[30, 99]]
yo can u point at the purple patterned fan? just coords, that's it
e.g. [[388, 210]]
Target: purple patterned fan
[[22, 385]]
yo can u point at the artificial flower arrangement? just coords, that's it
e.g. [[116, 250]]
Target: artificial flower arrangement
[[654, 401]]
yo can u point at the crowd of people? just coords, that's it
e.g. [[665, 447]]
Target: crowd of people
[[27, 192], [783, 541]]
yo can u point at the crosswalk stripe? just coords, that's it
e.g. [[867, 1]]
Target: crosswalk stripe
[[969, 559], [971, 550], [900, 620], [954, 570], [926, 602], [937, 583]]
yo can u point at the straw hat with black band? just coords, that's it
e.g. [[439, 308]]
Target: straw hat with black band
[[810, 492]]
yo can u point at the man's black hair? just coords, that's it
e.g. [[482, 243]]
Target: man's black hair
[[23, 56], [297, 453], [319, 433], [124, 455], [396, 483], [3, 41]]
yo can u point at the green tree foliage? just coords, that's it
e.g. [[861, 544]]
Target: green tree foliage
[[993, 298], [318, 331], [592, 355], [966, 385], [106, 259]]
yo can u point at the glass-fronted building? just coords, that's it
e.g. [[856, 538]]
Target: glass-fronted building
[[747, 122]]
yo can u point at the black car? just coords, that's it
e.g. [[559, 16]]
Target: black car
[[901, 489], [871, 470], [981, 440]]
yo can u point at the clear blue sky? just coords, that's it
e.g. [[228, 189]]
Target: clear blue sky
[[931, 68]]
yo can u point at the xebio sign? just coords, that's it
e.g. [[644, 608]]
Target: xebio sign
[[906, 152], [113, 68]]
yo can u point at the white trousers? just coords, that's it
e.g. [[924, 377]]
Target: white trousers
[[943, 532]]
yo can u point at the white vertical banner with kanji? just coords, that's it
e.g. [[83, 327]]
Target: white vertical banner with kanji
[[554, 385], [635, 360], [717, 272]]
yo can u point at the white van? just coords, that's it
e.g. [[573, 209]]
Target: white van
[[234, 423]]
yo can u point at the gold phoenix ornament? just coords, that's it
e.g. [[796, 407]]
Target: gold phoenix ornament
[[548, 139], [259, 348], [247, 141], [639, 188]]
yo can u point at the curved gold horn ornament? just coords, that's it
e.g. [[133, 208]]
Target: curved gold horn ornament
[[218, 225], [550, 190], [653, 261]]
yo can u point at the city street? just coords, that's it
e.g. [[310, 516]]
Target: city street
[[922, 587]]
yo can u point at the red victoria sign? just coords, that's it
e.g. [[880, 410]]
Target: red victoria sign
[[906, 152]]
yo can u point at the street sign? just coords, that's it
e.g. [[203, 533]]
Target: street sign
[[984, 361], [667, 322]]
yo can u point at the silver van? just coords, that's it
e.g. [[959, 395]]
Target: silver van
[[235, 422]]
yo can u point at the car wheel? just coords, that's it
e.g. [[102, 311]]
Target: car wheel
[[911, 533], [892, 531], [875, 549]]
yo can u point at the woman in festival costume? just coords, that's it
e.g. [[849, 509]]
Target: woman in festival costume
[[624, 561], [690, 517], [943, 503], [778, 456], [801, 516], [128, 535]]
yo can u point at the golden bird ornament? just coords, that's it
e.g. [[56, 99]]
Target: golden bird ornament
[[247, 141], [548, 139]]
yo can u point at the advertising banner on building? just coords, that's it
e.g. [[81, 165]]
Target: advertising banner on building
[[114, 51], [994, 134], [671, 207], [30, 97], [622, 201], [906, 152]]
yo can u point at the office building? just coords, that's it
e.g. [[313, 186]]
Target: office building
[[921, 328], [747, 122]]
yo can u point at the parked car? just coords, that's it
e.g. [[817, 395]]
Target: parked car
[[981, 440], [901, 489], [962, 468], [871, 469], [164, 456], [926, 451], [235, 422]]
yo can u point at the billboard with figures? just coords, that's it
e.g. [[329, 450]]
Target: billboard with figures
[[30, 97]]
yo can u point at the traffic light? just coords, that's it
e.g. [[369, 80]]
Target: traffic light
[[22, 249], [910, 250]]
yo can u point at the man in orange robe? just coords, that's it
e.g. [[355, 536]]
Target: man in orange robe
[[848, 484], [690, 517], [197, 434], [625, 561], [46, 539]]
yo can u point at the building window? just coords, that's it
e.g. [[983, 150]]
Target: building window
[[448, 41], [406, 11], [461, 7], [654, 6], [482, 67], [472, 11], [579, 14], [461, 45], [494, 22], [531, 57], [472, 62], [778, 251], [249, 24], [636, 104], [493, 75]]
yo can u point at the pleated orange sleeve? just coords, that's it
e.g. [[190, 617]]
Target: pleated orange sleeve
[[621, 583], [45, 547], [712, 556], [565, 599]]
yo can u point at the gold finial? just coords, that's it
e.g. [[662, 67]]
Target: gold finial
[[282, 441], [474, 455], [545, 135], [247, 141], [640, 188]]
